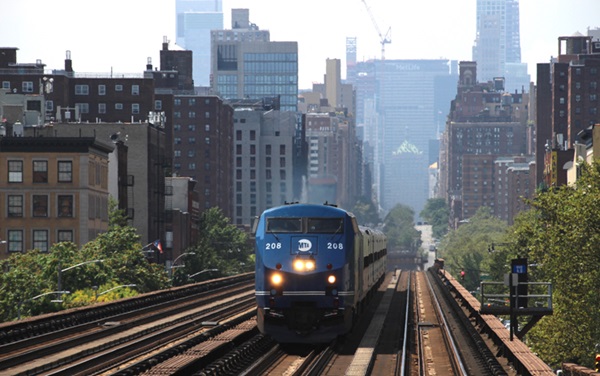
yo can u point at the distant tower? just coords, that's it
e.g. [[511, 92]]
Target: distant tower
[[497, 48], [195, 19]]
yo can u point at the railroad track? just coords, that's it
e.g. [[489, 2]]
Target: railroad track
[[89, 347], [214, 333]]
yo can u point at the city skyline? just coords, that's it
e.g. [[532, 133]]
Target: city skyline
[[120, 36]]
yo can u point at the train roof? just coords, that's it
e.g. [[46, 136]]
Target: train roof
[[302, 210]]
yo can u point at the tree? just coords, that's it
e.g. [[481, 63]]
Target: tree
[[561, 234], [436, 212], [466, 248], [366, 212], [399, 227], [222, 246]]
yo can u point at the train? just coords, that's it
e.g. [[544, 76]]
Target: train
[[316, 270]]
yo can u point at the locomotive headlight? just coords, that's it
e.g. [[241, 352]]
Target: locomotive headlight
[[276, 279], [299, 265], [309, 265], [331, 279]]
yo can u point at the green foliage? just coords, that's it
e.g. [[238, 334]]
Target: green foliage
[[561, 234], [222, 246], [466, 249], [399, 227], [366, 212], [437, 212], [30, 279]]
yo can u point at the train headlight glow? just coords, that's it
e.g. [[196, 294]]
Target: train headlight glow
[[304, 265], [299, 265], [331, 279], [276, 279]]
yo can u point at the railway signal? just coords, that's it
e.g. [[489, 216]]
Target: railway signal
[[597, 363]]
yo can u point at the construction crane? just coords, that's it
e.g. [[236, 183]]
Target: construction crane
[[382, 39]]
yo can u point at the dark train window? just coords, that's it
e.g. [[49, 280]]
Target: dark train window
[[284, 225], [326, 225]]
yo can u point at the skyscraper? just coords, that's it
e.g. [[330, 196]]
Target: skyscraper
[[247, 65], [195, 20], [497, 48]]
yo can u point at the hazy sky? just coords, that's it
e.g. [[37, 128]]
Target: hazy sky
[[121, 34]]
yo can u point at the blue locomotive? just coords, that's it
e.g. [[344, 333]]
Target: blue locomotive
[[316, 269]]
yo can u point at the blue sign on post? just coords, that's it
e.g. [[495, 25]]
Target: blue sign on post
[[519, 269]]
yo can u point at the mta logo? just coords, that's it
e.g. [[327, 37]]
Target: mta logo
[[304, 245]]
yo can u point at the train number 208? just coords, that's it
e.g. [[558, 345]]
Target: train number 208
[[335, 245], [273, 245]]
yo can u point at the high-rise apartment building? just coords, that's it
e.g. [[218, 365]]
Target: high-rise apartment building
[[245, 64], [568, 91], [497, 48], [266, 160], [484, 123], [194, 21]]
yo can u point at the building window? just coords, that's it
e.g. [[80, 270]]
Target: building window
[[118, 87], [40, 171], [82, 90], [252, 149], [238, 174], [118, 106], [158, 105], [135, 108], [191, 101], [191, 140], [40, 205], [40, 240], [191, 153], [135, 89], [207, 140], [27, 86], [15, 205], [177, 153], [282, 162], [15, 171], [192, 114], [281, 149], [101, 89], [177, 127], [207, 127], [65, 206], [238, 135], [268, 162], [177, 140], [207, 115], [49, 105], [252, 161], [65, 236], [84, 108], [15, 240], [268, 149], [177, 115], [65, 171], [6, 84], [191, 127], [101, 108], [191, 166]]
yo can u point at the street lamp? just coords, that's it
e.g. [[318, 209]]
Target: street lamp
[[202, 271], [37, 297], [173, 266], [60, 271], [111, 289]]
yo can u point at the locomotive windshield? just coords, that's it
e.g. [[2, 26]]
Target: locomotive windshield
[[284, 225], [326, 225]]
